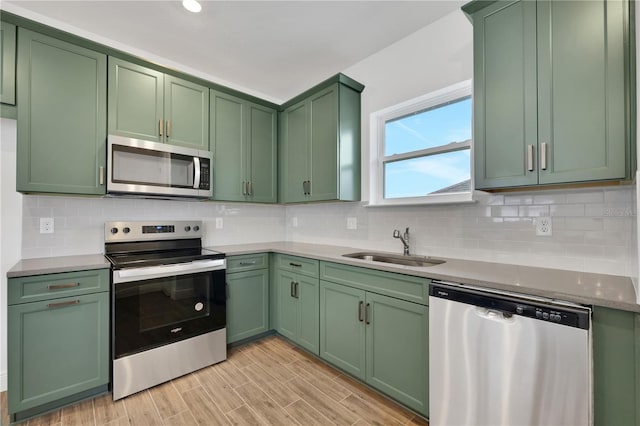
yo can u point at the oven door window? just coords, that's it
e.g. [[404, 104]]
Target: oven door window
[[155, 312]]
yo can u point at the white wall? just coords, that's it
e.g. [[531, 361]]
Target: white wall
[[593, 229], [10, 229]]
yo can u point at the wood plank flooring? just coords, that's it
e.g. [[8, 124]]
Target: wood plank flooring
[[268, 382]]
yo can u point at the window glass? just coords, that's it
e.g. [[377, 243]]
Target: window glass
[[417, 177], [439, 125]]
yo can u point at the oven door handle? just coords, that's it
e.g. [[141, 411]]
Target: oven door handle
[[196, 172], [139, 274]]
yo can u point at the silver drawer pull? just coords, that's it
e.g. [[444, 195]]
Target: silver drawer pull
[[248, 263], [62, 286], [63, 304], [297, 265], [530, 158], [543, 156]]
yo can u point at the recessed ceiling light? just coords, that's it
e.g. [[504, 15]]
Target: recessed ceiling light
[[192, 5]]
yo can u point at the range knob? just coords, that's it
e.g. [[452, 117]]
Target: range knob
[[114, 230], [126, 229], [519, 310], [196, 228], [187, 228]]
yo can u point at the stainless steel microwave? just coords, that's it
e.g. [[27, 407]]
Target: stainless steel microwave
[[140, 167]]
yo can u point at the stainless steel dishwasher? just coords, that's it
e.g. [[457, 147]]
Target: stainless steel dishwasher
[[498, 358]]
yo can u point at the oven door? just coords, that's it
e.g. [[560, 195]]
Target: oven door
[[150, 310]]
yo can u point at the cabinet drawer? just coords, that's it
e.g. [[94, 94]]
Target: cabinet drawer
[[412, 289], [300, 265], [53, 286], [247, 262]]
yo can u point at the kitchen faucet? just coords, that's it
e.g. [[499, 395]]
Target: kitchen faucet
[[404, 238]]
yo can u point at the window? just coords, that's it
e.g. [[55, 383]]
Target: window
[[423, 149]]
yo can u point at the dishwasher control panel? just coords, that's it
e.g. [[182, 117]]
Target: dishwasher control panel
[[513, 304]]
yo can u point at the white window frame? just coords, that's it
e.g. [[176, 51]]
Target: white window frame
[[377, 136]]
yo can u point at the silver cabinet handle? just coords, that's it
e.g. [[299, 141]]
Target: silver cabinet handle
[[63, 304], [308, 187], [296, 289], [168, 128], [244, 188], [62, 286], [530, 158], [543, 156], [367, 320], [360, 303], [196, 172], [304, 187], [292, 291], [101, 174], [160, 126], [249, 188]]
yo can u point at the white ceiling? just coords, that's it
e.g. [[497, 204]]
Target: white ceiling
[[274, 49]]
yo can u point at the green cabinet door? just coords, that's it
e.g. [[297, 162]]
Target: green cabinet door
[[243, 141], [136, 99], [323, 160], [57, 348], [186, 112], [307, 293], [583, 122], [287, 323], [247, 304], [504, 84], [342, 327], [8, 64], [397, 350], [616, 367], [294, 153], [63, 119], [552, 92], [226, 140], [262, 155]]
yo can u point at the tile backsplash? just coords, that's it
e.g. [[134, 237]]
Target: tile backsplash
[[79, 222], [593, 230]]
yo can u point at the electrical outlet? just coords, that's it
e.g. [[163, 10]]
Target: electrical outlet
[[352, 223], [46, 225], [544, 228], [219, 223], [294, 222]]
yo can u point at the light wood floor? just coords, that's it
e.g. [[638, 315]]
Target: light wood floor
[[269, 382]]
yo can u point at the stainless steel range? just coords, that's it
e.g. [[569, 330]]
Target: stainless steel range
[[168, 302]]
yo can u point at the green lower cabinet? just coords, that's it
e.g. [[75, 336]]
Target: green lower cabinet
[[7, 63], [616, 367], [57, 348], [247, 304], [379, 339], [298, 309], [342, 328]]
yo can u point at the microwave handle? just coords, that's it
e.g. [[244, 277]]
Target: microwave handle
[[196, 172]]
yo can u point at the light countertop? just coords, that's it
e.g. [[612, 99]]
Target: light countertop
[[611, 291], [53, 265]]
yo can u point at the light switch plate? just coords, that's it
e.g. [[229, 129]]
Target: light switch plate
[[294, 222], [352, 223], [219, 223]]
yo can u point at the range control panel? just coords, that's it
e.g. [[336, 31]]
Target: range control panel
[[151, 231]]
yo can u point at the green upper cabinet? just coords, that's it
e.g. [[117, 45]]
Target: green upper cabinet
[[62, 99], [320, 144], [243, 141], [148, 104], [552, 92], [8, 64]]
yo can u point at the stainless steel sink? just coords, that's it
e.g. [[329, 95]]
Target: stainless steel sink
[[397, 259]]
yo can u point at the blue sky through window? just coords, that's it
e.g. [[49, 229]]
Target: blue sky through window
[[434, 127]]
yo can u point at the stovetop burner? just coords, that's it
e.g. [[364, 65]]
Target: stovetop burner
[[141, 244]]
